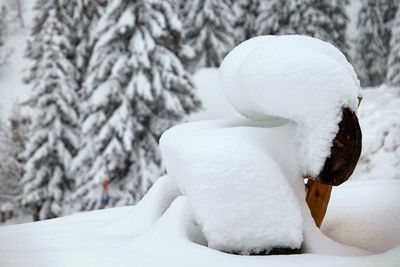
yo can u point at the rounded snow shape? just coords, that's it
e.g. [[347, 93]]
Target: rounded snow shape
[[295, 77]]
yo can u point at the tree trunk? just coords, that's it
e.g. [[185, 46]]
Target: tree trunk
[[35, 213]]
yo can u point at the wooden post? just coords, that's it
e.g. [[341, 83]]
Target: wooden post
[[317, 199]]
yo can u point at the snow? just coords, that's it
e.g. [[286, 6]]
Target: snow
[[299, 78], [234, 177], [362, 214], [217, 163], [237, 187], [6, 207], [241, 178], [214, 103], [159, 231], [146, 236], [365, 214], [12, 88], [379, 115]]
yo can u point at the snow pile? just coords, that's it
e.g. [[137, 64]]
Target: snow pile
[[295, 77], [379, 115], [234, 177]]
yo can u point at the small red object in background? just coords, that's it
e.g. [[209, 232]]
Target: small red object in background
[[105, 186], [104, 194]]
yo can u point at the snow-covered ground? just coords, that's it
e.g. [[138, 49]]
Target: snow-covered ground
[[158, 233]]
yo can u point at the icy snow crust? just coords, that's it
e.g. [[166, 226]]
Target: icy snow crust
[[299, 78]]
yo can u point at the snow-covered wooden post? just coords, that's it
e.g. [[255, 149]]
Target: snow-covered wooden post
[[345, 152]]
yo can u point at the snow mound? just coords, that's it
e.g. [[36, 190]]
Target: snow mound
[[234, 176], [295, 77]]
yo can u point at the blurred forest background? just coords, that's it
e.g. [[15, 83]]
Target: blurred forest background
[[101, 80]]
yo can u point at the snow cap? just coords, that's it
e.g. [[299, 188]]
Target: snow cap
[[295, 77]]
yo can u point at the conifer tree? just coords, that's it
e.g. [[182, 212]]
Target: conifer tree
[[393, 74], [10, 170], [19, 126], [3, 54], [135, 88], [373, 40], [326, 20], [84, 17], [388, 10], [209, 31], [246, 12], [53, 138]]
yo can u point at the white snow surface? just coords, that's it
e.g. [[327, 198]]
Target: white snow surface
[[234, 176], [299, 78], [161, 231], [379, 116], [365, 214]]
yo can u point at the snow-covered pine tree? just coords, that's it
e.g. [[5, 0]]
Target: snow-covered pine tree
[[53, 138], [393, 73], [388, 9], [3, 13], [19, 126], [336, 11], [370, 50], [246, 12], [373, 40], [84, 17], [208, 31], [134, 90], [10, 171], [326, 20]]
